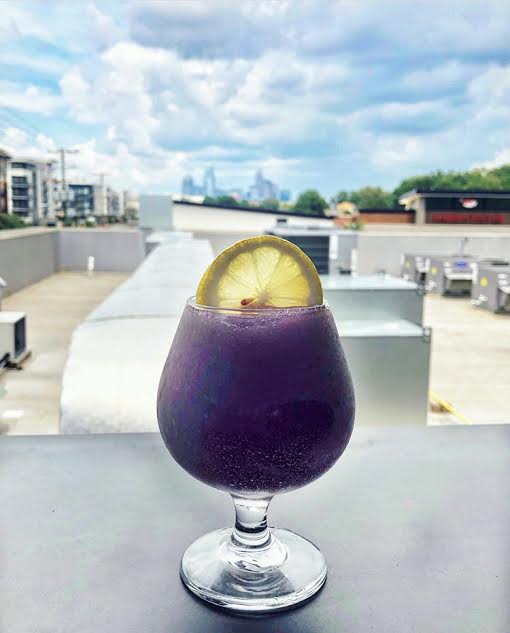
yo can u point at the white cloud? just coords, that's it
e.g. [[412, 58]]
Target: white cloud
[[501, 157], [390, 152], [327, 92], [18, 143], [28, 99], [104, 30]]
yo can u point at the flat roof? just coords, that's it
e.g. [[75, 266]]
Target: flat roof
[[456, 193], [387, 210], [281, 212]]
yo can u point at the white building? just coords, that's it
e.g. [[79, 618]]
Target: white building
[[31, 190], [131, 204]]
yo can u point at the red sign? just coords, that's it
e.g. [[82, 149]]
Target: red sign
[[445, 217], [469, 203]]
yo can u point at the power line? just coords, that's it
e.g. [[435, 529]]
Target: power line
[[21, 122]]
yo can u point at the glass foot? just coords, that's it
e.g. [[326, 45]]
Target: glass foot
[[285, 571]]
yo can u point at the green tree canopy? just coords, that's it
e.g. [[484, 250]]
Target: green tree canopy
[[11, 222], [310, 202], [368, 198], [498, 178], [223, 201]]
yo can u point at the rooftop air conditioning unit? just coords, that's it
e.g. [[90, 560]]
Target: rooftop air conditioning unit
[[13, 338]]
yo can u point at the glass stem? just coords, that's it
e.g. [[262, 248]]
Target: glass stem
[[251, 522]]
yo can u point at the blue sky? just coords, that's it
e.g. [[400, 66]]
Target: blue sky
[[324, 94]]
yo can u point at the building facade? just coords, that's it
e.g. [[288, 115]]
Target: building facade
[[209, 186], [448, 206], [83, 200], [31, 190], [113, 206], [131, 204], [262, 189], [4, 182]]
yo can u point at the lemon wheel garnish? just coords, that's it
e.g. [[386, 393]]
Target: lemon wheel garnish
[[260, 272]]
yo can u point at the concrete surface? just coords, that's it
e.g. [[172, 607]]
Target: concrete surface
[[126, 340], [30, 398], [27, 256], [470, 362], [413, 523], [115, 249], [470, 365]]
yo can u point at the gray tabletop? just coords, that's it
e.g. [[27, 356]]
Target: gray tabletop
[[414, 524]]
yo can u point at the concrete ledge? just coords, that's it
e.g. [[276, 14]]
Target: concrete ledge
[[31, 254], [117, 354]]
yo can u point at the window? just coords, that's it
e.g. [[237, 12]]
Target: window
[[20, 204], [19, 191], [19, 180]]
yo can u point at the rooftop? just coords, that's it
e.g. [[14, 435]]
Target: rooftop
[[461, 193], [30, 398], [254, 209]]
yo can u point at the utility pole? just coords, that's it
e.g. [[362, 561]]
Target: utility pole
[[62, 151]]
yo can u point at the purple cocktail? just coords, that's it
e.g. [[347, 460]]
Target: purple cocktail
[[255, 402]]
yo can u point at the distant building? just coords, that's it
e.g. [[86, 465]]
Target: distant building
[[4, 182], [262, 189], [131, 204], [31, 190], [450, 206], [84, 200], [285, 195], [209, 186], [188, 187], [113, 206]]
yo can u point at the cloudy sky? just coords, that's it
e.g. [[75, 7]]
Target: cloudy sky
[[324, 94]]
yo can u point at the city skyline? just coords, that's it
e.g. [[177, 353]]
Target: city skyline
[[320, 95], [260, 189]]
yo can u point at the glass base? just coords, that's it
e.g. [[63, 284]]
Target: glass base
[[284, 572]]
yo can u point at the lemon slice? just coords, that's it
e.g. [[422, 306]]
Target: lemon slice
[[260, 272]]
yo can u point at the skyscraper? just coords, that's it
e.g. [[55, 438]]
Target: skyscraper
[[4, 183], [209, 187], [188, 186], [262, 189]]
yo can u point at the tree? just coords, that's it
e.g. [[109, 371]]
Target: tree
[[498, 178], [223, 201], [372, 198], [367, 198], [270, 203], [503, 175], [227, 201], [342, 196], [310, 202], [11, 222]]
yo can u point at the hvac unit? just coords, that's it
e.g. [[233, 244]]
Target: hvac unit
[[13, 338]]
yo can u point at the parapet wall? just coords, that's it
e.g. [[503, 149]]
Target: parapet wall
[[29, 255]]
